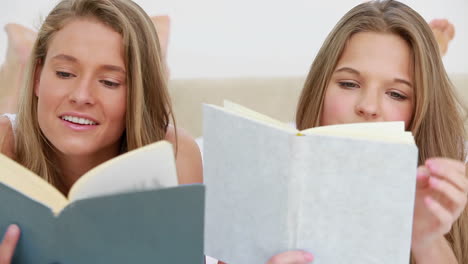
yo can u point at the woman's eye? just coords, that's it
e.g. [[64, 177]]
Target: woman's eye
[[397, 96], [348, 85], [63, 75], [110, 84]]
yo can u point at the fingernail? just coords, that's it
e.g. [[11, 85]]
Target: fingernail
[[308, 257], [12, 231]]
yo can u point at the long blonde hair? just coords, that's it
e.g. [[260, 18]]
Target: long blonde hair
[[437, 123], [148, 107]]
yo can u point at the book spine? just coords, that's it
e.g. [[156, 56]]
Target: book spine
[[295, 192]]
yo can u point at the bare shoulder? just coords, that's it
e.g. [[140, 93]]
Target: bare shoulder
[[7, 139], [188, 156]]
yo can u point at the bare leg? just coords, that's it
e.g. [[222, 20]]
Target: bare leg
[[20, 42], [444, 32]]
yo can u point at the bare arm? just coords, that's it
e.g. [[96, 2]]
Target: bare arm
[[7, 139], [438, 252], [188, 157]]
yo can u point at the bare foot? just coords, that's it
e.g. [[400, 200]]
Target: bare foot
[[444, 32]]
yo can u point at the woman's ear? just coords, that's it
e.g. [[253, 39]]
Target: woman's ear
[[37, 77]]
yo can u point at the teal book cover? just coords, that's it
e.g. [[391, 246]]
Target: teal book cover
[[153, 226]]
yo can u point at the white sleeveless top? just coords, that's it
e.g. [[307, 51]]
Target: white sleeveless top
[[12, 118]]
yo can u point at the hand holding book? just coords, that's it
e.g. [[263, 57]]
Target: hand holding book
[[442, 179], [441, 196], [122, 211], [327, 190], [288, 257], [292, 257]]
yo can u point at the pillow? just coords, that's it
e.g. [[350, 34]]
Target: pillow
[[20, 42]]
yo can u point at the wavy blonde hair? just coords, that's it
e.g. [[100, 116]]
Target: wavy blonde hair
[[437, 123], [148, 107]]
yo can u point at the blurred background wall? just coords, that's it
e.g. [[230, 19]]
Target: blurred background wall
[[226, 38]]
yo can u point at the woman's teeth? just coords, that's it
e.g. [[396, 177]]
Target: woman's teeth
[[78, 120]]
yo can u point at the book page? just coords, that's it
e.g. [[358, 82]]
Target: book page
[[381, 131], [26, 182], [146, 168], [392, 132], [251, 114], [395, 126]]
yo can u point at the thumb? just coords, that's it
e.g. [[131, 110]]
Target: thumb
[[7, 248], [422, 177], [292, 257]]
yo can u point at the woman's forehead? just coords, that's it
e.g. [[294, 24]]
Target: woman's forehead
[[88, 40], [384, 53]]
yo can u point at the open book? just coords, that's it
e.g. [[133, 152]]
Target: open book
[[345, 193], [126, 210]]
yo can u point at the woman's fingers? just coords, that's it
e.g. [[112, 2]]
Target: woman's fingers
[[447, 163], [291, 257], [456, 198], [7, 248], [422, 178], [450, 170], [443, 216]]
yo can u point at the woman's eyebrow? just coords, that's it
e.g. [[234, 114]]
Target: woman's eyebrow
[[113, 68], [356, 72], [72, 59], [403, 81], [348, 69], [65, 57]]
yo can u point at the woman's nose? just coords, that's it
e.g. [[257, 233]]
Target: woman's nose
[[368, 106], [82, 93]]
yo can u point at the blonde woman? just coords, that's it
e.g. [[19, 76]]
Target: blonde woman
[[95, 88], [381, 62]]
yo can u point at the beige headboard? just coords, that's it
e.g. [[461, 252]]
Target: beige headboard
[[276, 97]]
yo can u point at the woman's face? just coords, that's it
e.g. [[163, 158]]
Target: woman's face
[[372, 82], [81, 90]]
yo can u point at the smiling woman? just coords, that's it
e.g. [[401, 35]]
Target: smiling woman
[[81, 90], [85, 100]]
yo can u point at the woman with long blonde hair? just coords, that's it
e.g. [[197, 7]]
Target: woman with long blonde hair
[[381, 62], [95, 88]]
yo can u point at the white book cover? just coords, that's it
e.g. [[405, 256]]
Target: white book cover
[[344, 193]]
